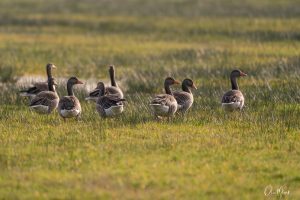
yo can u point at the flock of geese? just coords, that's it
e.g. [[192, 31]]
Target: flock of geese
[[109, 100]]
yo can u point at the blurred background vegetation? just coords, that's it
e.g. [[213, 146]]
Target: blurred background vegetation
[[208, 154]]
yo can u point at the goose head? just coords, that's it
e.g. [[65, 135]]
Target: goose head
[[237, 73], [171, 81], [111, 69], [49, 67], [73, 81], [189, 83]]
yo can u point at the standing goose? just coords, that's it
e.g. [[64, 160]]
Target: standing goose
[[113, 89], [165, 105], [39, 86], [108, 105], [69, 106], [234, 99], [185, 97], [46, 101]]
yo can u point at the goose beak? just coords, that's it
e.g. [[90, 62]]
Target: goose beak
[[243, 74], [194, 86], [53, 66], [176, 82], [79, 82]]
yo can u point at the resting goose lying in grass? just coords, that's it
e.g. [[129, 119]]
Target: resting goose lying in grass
[[69, 106], [165, 105], [46, 101], [113, 89], [109, 105], [234, 99], [39, 86], [185, 97]]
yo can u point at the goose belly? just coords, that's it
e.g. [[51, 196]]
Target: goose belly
[[69, 113], [160, 110], [114, 110], [232, 106], [40, 109]]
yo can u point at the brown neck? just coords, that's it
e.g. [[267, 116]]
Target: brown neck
[[112, 78], [234, 85], [167, 89]]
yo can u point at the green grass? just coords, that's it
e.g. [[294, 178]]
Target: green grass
[[207, 155]]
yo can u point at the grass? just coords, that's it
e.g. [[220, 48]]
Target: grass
[[207, 155]]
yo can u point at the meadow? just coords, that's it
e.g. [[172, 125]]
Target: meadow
[[208, 154]]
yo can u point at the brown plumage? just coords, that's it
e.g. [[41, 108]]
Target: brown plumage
[[113, 89], [185, 97], [39, 86], [234, 99], [108, 105], [69, 106], [165, 104], [46, 101]]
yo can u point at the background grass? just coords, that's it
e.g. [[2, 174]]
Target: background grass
[[207, 155]]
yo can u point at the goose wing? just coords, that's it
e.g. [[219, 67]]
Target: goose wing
[[114, 90], [94, 93], [109, 101], [68, 103], [163, 99], [233, 96], [43, 98], [182, 97], [36, 88]]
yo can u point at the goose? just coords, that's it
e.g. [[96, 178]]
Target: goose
[[108, 105], [113, 89], [39, 86], [46, 101], [234, 99], [165, 105], [185, 97], [69, 106]]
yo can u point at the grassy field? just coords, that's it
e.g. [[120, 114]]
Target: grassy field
[[206, 155]]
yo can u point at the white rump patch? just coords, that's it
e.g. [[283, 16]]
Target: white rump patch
[[114, 110], [232, 106], [69, 113]]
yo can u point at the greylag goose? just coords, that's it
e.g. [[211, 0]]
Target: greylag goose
[[185, 97], [234, 99], [39, 86], [165, 105], [108, 105], [69, 106], [46, 101], [113, 89]]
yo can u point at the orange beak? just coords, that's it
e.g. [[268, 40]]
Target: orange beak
[[243, 74], [194, 86], [176, 82], [79, 82]]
